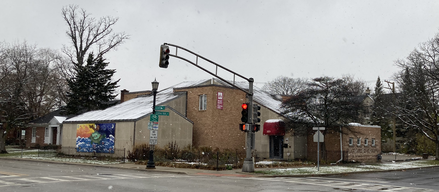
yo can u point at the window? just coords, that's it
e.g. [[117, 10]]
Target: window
[[351, 141], [34, 134], [358, 141], [373, 142], [202, 102], [46, 133], [366, 142]]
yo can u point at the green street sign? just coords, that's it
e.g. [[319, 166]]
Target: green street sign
[[162, 113], [160, 107], [154, 118]]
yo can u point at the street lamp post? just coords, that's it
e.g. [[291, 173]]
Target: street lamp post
[[151, 164]]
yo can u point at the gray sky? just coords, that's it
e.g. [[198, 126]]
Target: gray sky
[[259, 39]]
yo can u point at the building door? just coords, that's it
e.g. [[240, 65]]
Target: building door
[[276, 149], [54, 134]]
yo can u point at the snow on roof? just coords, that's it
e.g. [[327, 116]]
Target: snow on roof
[[60, 119], [274, 120], [259, 95], [132, 109], [139, 107], [262, 97]]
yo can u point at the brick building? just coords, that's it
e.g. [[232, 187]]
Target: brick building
[[202, 114], [46, 130], [359, 143]]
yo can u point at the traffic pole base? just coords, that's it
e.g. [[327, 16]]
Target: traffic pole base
[[248, 166]]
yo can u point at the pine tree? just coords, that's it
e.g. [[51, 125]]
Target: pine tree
[[91, 88], [380, 115]]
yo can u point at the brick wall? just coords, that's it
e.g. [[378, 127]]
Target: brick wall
[[354, 152], [125, 95], [40, 131], [216, 128]]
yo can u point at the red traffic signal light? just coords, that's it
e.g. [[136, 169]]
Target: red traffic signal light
[[255, 127], [244, 113], [242, 127]]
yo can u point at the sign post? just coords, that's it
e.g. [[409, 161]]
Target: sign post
[[318, 139]]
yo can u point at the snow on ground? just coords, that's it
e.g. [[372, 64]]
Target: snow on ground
[[349, 168]]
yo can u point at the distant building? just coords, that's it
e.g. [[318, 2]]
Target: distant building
[[46, 130]]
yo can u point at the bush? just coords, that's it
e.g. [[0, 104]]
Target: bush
[[204, 157], [140, 152]]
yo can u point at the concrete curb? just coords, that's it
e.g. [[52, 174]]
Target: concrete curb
[[200, 172]]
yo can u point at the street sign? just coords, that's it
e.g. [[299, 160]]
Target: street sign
[[153, 125], [153, 134], [153, 141], [153, 137], [154, 118], [162, 113], [160, 107], [318, 136]]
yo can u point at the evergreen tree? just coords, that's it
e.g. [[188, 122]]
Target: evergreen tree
[[91, 88], [380, 115]]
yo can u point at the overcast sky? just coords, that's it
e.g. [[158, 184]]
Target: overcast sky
[[259, 39]]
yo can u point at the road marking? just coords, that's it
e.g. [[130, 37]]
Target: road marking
[[31, 180], [53, 179], [68, 178], [6, 182], [9, 174], [344, 185]]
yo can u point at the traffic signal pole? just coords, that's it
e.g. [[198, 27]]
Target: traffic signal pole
[[248, 165]]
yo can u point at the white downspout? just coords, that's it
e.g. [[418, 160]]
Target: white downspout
[[341, 147]]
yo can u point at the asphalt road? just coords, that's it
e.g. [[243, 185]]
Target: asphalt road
[[26, 176]]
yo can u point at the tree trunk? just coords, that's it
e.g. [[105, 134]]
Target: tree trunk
[[437, 149], [2, 142]]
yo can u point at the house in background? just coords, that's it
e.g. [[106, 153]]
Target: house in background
[[46, 130]]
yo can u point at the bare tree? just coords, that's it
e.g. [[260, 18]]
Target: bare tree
[[419, 108], [30, 85], [285, 85], [326, 102], [88, 34]]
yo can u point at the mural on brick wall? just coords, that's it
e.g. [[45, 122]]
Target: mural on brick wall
[[98, 138]]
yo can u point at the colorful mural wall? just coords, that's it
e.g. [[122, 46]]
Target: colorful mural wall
[[98, 138]]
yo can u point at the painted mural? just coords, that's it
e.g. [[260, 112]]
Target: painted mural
[[98, 138]]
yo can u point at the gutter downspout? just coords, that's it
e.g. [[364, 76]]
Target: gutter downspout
[[341, 147]]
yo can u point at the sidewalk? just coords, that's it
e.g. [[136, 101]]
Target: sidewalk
[[389, 162]]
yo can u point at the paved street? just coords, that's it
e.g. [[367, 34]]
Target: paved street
[[23, 176]]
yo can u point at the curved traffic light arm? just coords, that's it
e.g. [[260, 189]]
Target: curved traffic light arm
[[250, 80]]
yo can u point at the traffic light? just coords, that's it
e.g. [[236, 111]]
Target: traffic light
[[244, 112], [242, 127], [164, 56], [256, 128], [256, 113]]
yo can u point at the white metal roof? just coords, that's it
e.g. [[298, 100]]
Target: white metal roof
[[139, 107]]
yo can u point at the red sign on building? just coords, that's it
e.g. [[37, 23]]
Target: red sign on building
[[219, 100]]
